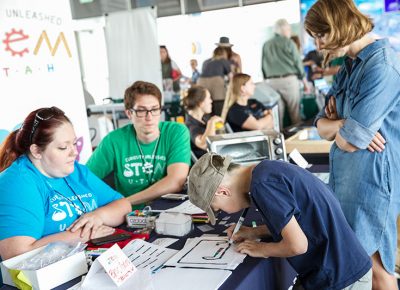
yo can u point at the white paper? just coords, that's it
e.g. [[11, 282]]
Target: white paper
[[145, 255], [324, 176], [187, 208], [298, 159], [207, 252], [164, 242], [193, 279], [116, 264], [142, 280], [205, 228], [107, 269]]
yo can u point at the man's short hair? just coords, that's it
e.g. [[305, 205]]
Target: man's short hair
[[140, 88], [280, 25], [205, 177]]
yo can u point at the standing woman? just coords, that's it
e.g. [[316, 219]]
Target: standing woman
[[241, 113], [363, 117], [170, 70], [198, 105], [45, 195]]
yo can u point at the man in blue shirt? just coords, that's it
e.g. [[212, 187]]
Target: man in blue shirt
[[301, 215]]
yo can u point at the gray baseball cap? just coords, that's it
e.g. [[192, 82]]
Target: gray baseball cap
[[204, 178]]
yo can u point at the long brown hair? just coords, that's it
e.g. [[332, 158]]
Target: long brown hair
[[233, 92], [195, 96], [340, 20], [38, 128]]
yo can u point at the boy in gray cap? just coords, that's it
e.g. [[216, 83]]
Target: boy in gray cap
[[301, 215]]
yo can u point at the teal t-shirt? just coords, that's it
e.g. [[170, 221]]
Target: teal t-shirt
[[118, 152], [34, 205]]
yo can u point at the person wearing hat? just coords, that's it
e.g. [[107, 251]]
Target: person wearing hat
[[233, 57], [215, 71], [301, 214]]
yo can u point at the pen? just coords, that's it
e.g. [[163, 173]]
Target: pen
[[239, 224]]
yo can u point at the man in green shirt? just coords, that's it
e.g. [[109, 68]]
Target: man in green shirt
[[282, 67], [149, 158]]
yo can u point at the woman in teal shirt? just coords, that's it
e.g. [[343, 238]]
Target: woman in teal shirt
[[362, 116], [45, 195]]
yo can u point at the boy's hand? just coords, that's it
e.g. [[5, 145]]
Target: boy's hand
[[245, 233], [252, 248]]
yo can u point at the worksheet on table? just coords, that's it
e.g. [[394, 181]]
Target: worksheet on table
[[146, 255], [207, 252]]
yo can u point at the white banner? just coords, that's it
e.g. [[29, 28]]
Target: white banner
[[132, 48], [39, 65]]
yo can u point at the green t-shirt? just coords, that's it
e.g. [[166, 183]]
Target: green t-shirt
[[118, 152]]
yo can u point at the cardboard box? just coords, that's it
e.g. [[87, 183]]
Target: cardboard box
[[50, 276], [305, 145]]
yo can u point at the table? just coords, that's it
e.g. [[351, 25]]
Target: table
[[253, 273]]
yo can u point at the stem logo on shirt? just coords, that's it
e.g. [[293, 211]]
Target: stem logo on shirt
[[64, 212], [134, 167]]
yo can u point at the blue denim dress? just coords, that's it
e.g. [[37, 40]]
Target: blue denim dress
[[367, 92]]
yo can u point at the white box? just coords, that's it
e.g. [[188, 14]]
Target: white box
[[50, 276], [173, 224]]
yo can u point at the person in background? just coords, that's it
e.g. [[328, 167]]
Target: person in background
[[170, 70], [302, 217], [198, 105], [297, 42], [282, 67], [149, 158], [313, 62], [233, 57], [195, 73], [362, 116], [241, 113], [45, 195], [213, 75]]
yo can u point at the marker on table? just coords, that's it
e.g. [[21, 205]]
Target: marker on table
[[239, 224]]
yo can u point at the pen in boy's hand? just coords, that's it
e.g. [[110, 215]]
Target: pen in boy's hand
[[239, 224]]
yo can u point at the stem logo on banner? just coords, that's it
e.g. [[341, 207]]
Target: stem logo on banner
[[39, 65]]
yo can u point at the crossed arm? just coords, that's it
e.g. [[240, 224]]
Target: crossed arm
[[328, 128]]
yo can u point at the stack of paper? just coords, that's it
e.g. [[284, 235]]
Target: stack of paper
[[187, 208], [145, 255], [193, 279]]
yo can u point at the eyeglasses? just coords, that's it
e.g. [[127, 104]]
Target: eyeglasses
[[143, 113], [44, 115]]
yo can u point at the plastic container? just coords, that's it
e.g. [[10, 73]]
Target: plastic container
[[173, 224]]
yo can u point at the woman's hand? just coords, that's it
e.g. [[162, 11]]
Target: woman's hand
[[245, 233], [212, 125], [89, 223], [215, 119], [102, 231], [252, 248], [377, 143], [330, 109]]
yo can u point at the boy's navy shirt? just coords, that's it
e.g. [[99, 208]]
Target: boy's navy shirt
[[335, 259]]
